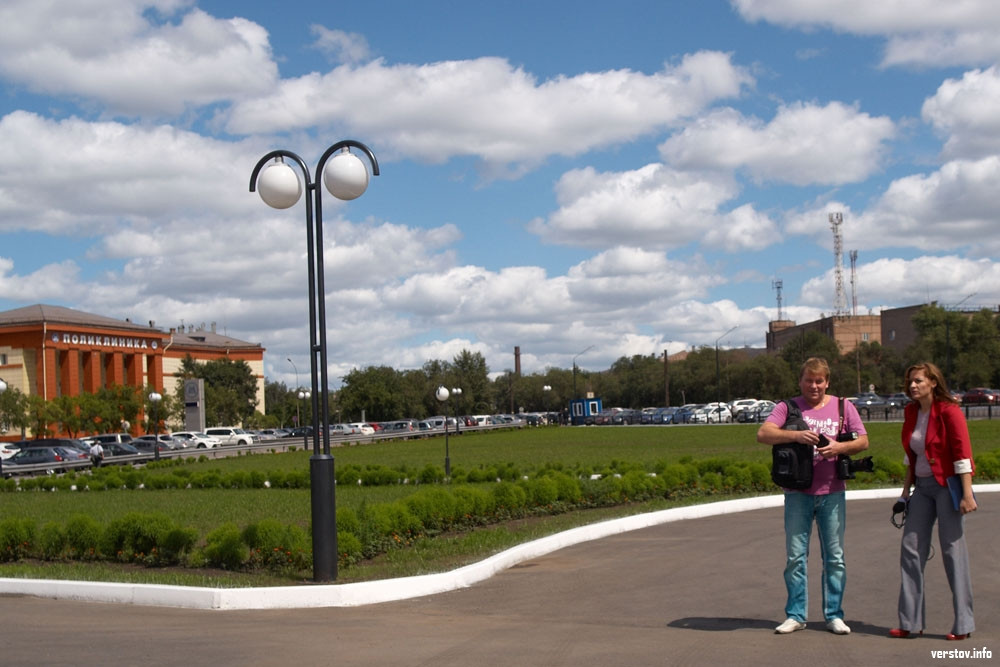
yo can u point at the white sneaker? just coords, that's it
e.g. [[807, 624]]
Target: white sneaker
[[838, 627], [790, 625]]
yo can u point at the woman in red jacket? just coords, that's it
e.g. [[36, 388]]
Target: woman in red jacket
[[936, 440]]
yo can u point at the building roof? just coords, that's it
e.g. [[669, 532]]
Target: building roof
[[202, 338], [191, 337], [42, 313]]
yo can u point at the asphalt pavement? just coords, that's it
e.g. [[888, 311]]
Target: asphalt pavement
[[701, 591]]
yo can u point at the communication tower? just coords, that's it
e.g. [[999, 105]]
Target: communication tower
[[840, 298], [854, 282], [776, 285]]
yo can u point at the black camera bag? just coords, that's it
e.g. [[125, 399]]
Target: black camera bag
[[792, 463]]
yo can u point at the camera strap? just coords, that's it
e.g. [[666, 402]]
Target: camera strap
[[840, 416]]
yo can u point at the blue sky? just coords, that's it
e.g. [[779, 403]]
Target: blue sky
[[554, 175]]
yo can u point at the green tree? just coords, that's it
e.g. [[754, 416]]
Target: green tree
[[13, 410]]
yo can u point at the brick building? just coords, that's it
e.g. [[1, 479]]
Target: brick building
[[53, 351]]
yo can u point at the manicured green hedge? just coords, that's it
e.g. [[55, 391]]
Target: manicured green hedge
[[476, 497]]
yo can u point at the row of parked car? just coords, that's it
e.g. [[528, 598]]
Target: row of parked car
[[743, 410], [58, 450]]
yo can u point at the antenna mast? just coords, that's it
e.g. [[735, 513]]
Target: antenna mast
[[776, 285], [854, 282], [840, 298]]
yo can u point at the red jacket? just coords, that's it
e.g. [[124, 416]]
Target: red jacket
[[947, 438]]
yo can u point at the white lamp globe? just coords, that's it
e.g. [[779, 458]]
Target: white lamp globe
[[441, 393], [279, 186], [345, 176]]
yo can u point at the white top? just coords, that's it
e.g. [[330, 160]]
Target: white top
[[918, 444]]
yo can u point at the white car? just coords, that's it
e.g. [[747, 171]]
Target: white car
[[8, 449], [716, 414], [230, 435], [197, 440], [363, 429]]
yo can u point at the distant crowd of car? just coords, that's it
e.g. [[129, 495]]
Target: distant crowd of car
[[757, 410], [60, 450], [742, 410]]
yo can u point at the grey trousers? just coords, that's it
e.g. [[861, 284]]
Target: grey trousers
[[929, 502]]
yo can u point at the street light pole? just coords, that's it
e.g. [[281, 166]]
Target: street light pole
[[442, 395], [588, 349], [3, 416], [346, 177], [154, 401], [718, 380]]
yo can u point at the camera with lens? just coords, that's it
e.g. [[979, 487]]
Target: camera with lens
[[846, 466]]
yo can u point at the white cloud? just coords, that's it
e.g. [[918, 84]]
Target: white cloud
[[967, 112], [488, 109], [919, 32], [108, 172], [945, 279], [803, 144], [653, 206], [340, 46], [109, 52]]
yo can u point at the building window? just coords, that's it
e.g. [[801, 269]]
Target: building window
[[864, 337], [892, 334], [3, 359]]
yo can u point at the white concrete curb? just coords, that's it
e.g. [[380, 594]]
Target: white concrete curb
[[387, 590]]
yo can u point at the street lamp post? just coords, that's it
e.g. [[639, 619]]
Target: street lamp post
[[545, 401], [154, 402], [304, 395], [298, 387], [718, 380], [442, 395], [346, 177], [589, 348], [3, 388]]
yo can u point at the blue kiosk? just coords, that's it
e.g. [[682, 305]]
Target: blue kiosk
[[583, 410]]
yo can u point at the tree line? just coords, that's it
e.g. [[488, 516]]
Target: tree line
[[230, 398]]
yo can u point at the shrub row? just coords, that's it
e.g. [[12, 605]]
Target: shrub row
[[176, 474], [372, 529]]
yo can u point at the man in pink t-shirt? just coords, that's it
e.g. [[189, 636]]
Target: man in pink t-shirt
[[823, 501]]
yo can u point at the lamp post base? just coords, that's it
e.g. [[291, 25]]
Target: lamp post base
[[324, 517]]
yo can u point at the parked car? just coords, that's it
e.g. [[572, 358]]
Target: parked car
[[898, 400], [712, 414], [8, 449], [230, 435], [168, 442], [149, 445], [105, 438], [54, 454], [119, 449], [362, 428], [981, 396], [197, 439], [870, 400], [664, 415], [757, 413], [741, 404], [626, 416], [684, 413]]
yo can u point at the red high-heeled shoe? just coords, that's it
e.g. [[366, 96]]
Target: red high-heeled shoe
[[954, 638], [899, 633]]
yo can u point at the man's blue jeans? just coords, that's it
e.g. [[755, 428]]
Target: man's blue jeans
[[829, 511]]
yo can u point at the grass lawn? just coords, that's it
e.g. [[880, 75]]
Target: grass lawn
[[576, 448]]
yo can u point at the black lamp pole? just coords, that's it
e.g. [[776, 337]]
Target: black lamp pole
[[321, 463]]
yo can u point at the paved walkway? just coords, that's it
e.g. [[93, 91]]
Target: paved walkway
[[704, 591]]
